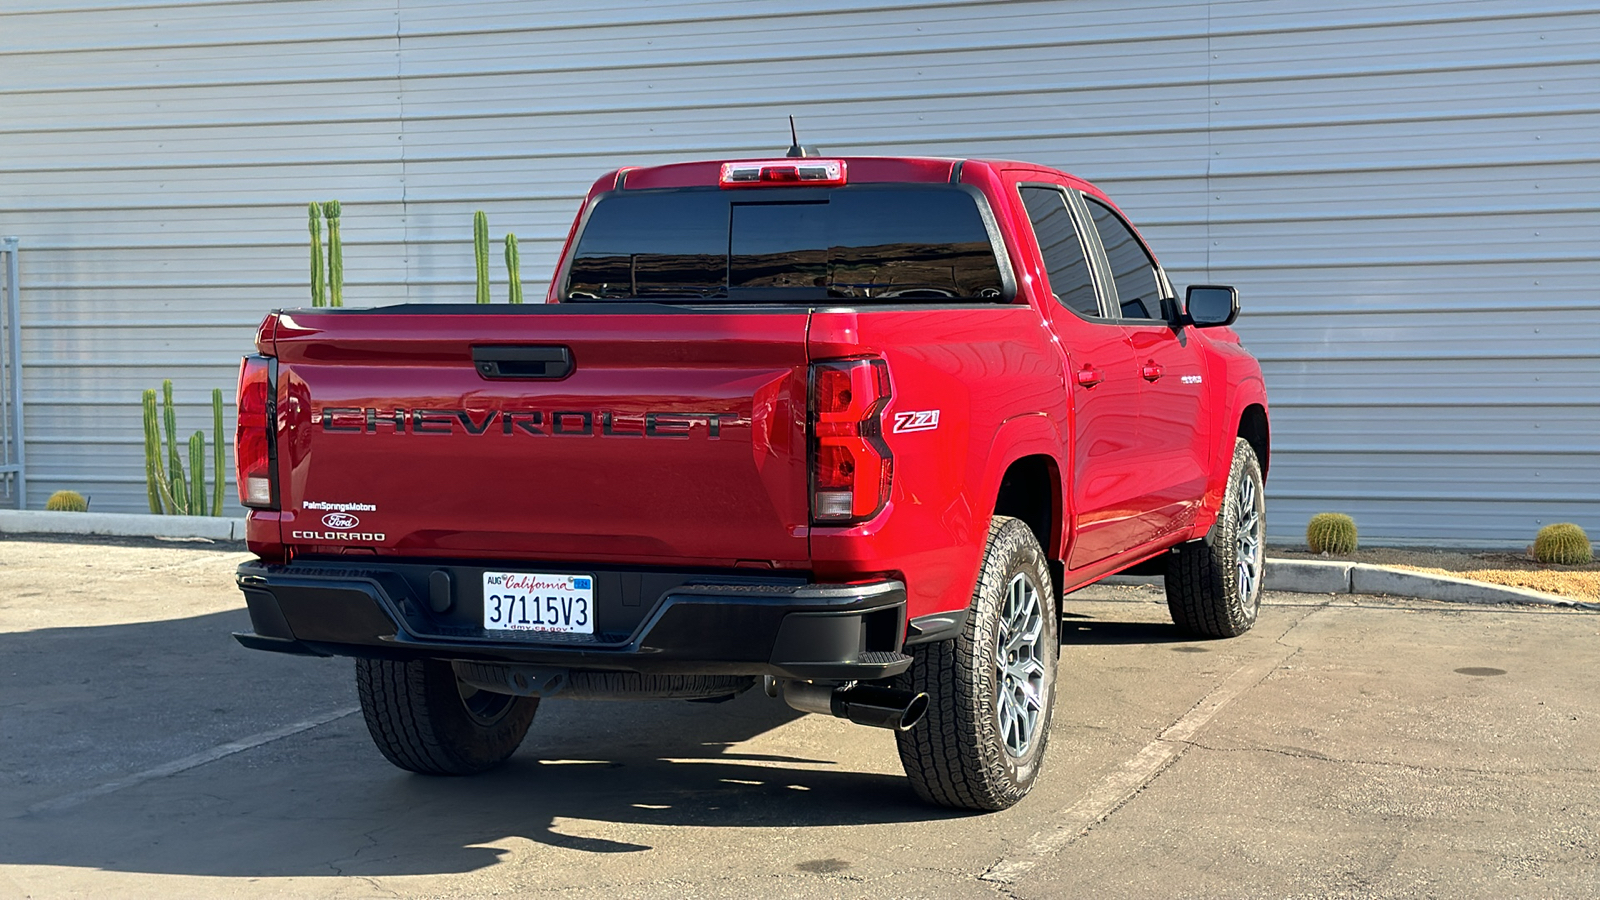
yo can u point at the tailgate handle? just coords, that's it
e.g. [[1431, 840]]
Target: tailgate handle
[[522, 362]]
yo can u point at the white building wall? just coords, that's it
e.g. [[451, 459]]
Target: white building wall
[[1404, 192]]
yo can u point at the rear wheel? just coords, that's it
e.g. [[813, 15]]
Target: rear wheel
[[1214, 584], [425, 720], [991, 689]]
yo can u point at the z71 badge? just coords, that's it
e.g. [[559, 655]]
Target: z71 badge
[[921, 420]]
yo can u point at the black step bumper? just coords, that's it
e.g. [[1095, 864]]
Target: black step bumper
[[650, 622]]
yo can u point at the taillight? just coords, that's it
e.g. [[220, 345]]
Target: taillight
[[851, 466], [769, 172], [253, 446]]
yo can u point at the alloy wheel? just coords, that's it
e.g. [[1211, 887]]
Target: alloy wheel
[[1249, 539], [1019, 666]]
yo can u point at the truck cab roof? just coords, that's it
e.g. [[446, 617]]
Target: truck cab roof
[[706, 173]]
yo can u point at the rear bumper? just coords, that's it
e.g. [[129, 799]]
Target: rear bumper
[[647, 622]]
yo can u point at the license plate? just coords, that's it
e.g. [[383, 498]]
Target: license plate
[[514, 601]]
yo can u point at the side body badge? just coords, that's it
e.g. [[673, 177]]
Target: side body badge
[[921, 420]]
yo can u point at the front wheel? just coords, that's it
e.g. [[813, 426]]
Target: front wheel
[[426, 720], [991, 689], [1214, 584]]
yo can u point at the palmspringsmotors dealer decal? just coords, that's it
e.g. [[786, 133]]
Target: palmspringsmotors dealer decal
[[341, 521]]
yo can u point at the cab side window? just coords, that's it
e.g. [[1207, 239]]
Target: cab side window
[[1059, 244], [1138, 289]]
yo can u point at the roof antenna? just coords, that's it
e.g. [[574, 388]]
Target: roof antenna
[[795, 150]]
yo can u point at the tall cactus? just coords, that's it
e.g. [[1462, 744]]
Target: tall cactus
[[154, 473], [514, 268], [330, 211], [170, 489], [480, 249], [319, 296], [180, 490], [218, 460], [197, 474]]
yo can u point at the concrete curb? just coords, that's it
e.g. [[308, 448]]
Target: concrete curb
[[33, 521], [1315, 576]]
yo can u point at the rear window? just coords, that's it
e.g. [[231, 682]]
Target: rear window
[[859, 242]]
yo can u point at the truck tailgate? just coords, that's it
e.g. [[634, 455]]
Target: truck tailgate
[[673, 436]]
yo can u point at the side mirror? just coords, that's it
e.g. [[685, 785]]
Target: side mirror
[[1211, 305]]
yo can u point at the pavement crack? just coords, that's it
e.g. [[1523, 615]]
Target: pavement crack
[[1310, 610], [390, 892], [372, 842], [1001, 888]]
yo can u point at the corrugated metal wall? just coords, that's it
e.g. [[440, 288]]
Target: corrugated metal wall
[[1405, 192]]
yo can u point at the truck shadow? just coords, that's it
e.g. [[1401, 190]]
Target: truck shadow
[[87, 706], [1078, 629]]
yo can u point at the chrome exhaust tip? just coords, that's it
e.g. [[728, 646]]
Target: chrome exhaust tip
[[863, 704]]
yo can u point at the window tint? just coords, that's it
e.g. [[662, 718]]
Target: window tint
[[778, 247], [1135, 275], [922, 243], [861, 242], [1064, 264]]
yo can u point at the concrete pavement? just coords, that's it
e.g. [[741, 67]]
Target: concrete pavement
[[1344, 748]]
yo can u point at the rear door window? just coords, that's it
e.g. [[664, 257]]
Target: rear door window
[[856, 243], [1062, 250], [1132, 270]]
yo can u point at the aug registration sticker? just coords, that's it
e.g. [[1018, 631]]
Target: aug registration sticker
[[513, 601]]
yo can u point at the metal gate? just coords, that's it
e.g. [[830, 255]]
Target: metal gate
[[13, 455]]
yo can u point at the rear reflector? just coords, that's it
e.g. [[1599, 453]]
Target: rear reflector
[[253, 442], [768, 173], [851, 466]]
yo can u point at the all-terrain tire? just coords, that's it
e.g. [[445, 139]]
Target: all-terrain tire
[[424, 720], [1214, 584], [965, 751]]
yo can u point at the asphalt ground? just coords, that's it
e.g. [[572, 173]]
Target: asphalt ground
[[1347, 747]]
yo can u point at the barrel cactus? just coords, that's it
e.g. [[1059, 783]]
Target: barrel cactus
[[1563, 543], [1331, 533], [67, 501]]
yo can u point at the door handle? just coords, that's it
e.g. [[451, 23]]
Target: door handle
[[1088, 377], [1152, 371]]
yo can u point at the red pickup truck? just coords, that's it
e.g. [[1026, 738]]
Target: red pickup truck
[[847, 428]]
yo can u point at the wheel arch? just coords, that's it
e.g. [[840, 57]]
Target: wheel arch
[[1025, 463], [1246, 417], [1024, 479], [1030, 490], [1254, 429]]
